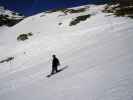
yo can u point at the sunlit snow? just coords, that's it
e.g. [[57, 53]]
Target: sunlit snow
[[98, 54]]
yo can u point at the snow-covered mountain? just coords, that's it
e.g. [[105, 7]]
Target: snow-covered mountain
[[9, 18], [120, 8], [94, 47]]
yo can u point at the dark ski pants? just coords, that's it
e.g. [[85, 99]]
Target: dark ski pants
[[54, 69]]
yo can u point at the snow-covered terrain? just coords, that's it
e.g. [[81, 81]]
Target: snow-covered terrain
[[8, 18], [97, 54], [11, 14]]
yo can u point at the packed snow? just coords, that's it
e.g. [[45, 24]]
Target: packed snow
[[97, 54]]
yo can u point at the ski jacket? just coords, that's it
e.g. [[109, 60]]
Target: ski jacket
[[55, 62]]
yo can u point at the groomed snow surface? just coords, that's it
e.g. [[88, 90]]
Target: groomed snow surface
[[97, 54]]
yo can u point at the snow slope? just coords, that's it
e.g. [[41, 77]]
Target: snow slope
[[97, 54]]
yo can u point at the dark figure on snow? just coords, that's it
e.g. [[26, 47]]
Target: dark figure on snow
[[55, 64]]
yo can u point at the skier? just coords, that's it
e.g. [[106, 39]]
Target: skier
[[55, 64]]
